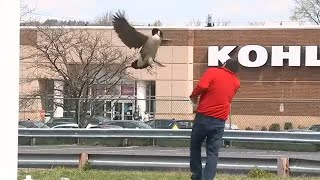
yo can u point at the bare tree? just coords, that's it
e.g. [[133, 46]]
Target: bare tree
[[217, 22], [306, 10], [105, 19], [24, 11], [157, 23], [220, 22], [257, 23], [195, 22], [29, 100], [85, 65]]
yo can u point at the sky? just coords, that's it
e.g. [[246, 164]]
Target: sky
[[169, 12]]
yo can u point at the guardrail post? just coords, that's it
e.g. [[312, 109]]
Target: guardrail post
[[83, 160], [124, 142], [33, 141], [154, 142], [283, 166]]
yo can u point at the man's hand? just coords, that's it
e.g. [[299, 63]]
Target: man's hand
[[194, 100]]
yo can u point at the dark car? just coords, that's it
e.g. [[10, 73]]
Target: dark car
[[166, 124], [40, 124], [60, 120], [104, 126], [27, 124], [315, 128], [185, 124], [96, 120], [128, 124]]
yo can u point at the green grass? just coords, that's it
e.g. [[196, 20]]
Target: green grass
[[75, 174]]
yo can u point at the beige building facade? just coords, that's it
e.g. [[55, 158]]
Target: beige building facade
[[171, 84]]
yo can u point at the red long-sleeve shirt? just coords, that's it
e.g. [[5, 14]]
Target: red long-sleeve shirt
[[216, 88]]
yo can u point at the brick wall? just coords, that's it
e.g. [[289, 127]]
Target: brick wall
[[28, 37], [264, 82], [265, 37]]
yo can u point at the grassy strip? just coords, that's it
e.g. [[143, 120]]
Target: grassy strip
[[75, 174]]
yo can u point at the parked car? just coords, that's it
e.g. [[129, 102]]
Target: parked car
[[164, 124], [315, 127], [90, 126], [96, 120], [21, 126], [105, 126], [71, 125], [127, 124], [233, 127], [27, 124], [60, 120], [185, 124], [40, 124], [180, 124]]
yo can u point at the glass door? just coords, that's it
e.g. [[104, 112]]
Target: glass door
[[123, 110], [128, 110], [117, 111]]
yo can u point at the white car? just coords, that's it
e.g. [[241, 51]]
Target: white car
[[66, 126], [91, 126], [233, 126]]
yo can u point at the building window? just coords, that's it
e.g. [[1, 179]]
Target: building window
[[46, 87], [104, 89], [101, 108], [128, 89], [151, 92]]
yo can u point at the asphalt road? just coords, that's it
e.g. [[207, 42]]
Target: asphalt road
[[164, 151]]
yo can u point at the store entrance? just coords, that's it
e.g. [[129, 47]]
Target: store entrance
[[123, 110]]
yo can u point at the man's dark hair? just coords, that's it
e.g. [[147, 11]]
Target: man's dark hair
[[233, 65]]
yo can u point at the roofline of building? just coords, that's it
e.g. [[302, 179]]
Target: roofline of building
[[188, 27]]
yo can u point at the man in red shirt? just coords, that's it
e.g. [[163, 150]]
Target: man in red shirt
[[216, 88]]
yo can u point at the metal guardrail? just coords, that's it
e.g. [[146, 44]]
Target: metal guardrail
[[270, 136], [164, 162], [125, 161]]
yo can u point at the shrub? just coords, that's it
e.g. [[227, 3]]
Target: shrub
[[264, 128], [274, 127], [287, 126], [248, 128]]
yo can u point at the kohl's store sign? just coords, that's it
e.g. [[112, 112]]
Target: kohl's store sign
[[278, 55]]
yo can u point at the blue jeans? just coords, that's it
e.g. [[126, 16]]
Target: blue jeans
[[212, 129]]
